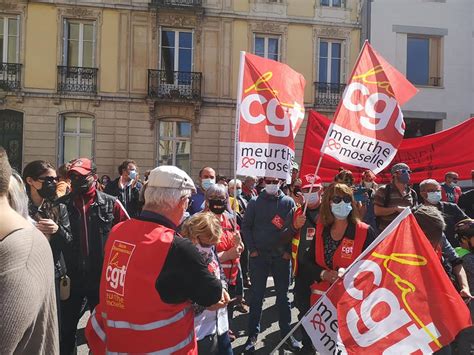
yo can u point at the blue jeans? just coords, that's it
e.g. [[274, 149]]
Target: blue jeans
[[259, 267]]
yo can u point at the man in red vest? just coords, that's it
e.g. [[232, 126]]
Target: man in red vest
[[151, 276]]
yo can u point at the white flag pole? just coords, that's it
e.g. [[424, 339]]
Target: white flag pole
[[237, 123]]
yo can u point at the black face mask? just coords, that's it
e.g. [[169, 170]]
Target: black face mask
[[217, 206], [48, 190], [80, 186]]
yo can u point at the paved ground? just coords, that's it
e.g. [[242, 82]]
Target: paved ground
[[268, 339]]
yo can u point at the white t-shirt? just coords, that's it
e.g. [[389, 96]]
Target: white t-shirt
[[210, 322]]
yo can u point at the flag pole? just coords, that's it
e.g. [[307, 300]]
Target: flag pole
[[237, 124]]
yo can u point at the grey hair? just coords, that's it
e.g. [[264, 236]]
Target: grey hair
[[164, 200], [428, 182], [234, 182], [17, 196], [216, 191]]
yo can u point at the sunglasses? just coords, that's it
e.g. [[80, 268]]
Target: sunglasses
[[48, 179], [404, 171], [338, 199], [272, 182]]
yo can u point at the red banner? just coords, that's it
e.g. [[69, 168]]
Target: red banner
[[429, 157], [271, 102], [368, 125], [395, 299]]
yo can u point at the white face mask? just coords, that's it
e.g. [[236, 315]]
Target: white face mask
[[311, 198], [341, 210], [433, 197], [206, 183], [272, 189], [368, 184]]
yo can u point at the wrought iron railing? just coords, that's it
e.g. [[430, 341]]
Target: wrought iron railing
[[77, 80], [177, 3], [10, 76], [328, 95], [178, 85]]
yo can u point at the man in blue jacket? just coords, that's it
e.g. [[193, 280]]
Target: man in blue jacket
[[263, 228]]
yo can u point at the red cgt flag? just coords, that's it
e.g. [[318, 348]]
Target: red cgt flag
[[368, 125], [271, 110], [395, 299]]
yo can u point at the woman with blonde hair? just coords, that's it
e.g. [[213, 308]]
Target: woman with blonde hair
[[210, 324], [340, 237]]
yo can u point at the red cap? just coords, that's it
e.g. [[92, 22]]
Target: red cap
[[308, 179], [82, 166]]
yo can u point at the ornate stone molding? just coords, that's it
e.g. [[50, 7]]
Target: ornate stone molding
[[268, 27], [80, 13], [159, 111], [332, 32], [189, 21]]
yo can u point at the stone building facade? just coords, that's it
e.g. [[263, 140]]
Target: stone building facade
[[155, 81]]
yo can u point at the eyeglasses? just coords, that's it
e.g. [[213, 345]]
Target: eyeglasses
[[338, 199], [272, 182], [48, 179]]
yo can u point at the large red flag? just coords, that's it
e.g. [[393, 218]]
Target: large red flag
[[429, 157], [368, 125], [271, 102], [394, 299]]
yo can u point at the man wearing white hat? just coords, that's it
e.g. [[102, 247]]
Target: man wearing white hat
[[151, 276]]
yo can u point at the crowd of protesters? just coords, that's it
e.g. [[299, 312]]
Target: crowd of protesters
[[164, 263]]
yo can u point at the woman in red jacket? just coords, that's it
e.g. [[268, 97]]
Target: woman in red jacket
[[340, 237]]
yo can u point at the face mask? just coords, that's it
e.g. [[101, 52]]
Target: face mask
[[207, 183], [272, 189], [404, 178], [238, 192], [80, 186], [132, 174], [341, 210], [434, 197], [48, 190], [217, 206], [452, 184], [311, 198]]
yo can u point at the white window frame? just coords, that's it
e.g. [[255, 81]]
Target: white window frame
[[266, 37], [331, 4], [6, 38], [174, 139], [329, 59], [76, 134], [81, 41], [176, 46]]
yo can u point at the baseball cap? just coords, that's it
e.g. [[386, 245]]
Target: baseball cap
[[399, 166], [170, 177], [82, 166], [308, 179]]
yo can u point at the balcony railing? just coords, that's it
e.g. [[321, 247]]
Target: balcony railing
[[328, 95], [178, 85], [10, 76], [77, 80], [177, 3]]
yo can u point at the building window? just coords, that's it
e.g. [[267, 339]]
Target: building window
[[333, 3], [330, 59], [176, 51], [77, 137], [418, 127], [9, 39], [267, 47], [79, 44], [175, 144], [423, 60]]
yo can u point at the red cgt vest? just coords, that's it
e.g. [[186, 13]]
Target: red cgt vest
[[344, 255], [131, 317], [230, 267]]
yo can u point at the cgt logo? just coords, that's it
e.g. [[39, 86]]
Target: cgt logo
[[117, 265], [246, 161]]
